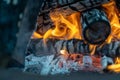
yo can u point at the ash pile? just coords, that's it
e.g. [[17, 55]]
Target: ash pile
[[62, 64]]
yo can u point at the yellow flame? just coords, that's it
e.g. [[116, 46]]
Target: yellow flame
[[63, 52], [36, 35], [115, 67], [66, 27], [113, 16], [92, 49]]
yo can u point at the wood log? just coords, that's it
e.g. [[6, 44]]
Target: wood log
[[110, 50], [37, 47], [66, 7], [95, 26]]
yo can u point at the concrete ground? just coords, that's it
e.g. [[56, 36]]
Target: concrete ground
[[12, 74]]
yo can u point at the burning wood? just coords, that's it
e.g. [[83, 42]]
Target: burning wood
[[65, 24], [45, 23], [95, 26], [91, 43]]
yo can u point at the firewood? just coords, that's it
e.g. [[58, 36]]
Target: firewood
[[66, 7], [111, 49], [37, 47], [95, 26]]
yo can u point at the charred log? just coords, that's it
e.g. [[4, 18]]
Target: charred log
[[118, 51], [118, 3], [70, 6], [95, 26], [38, 48], [110, 50]]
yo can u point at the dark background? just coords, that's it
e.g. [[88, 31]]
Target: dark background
[[17, 22]]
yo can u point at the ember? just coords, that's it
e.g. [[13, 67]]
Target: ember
[[64, 63]]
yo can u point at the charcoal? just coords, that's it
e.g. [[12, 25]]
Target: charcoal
[[43, 20], [59, 45], [65, 45], [37, 47], [61, 3], [118, 51], [71, 46], [118, 4], [83, 47], [77, 46], [111, 49]]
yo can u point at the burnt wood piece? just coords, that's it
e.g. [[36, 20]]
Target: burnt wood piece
[[62, 6], [118, 51], [37, 47], [86, 4], [95, 26], [110, 50], [118, 4]]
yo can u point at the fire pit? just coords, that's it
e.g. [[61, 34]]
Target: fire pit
[[74, 35]]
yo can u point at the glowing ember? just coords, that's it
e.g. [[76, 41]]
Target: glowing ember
[[64, 63]]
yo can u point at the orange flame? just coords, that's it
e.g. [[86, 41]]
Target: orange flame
[[66, 27], [92, 49], [115, 67], [113, 16]]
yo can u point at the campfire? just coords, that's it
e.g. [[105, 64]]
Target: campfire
[[75, 37]]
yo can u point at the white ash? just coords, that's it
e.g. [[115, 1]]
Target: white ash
[[105, 61], [60, 65]]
